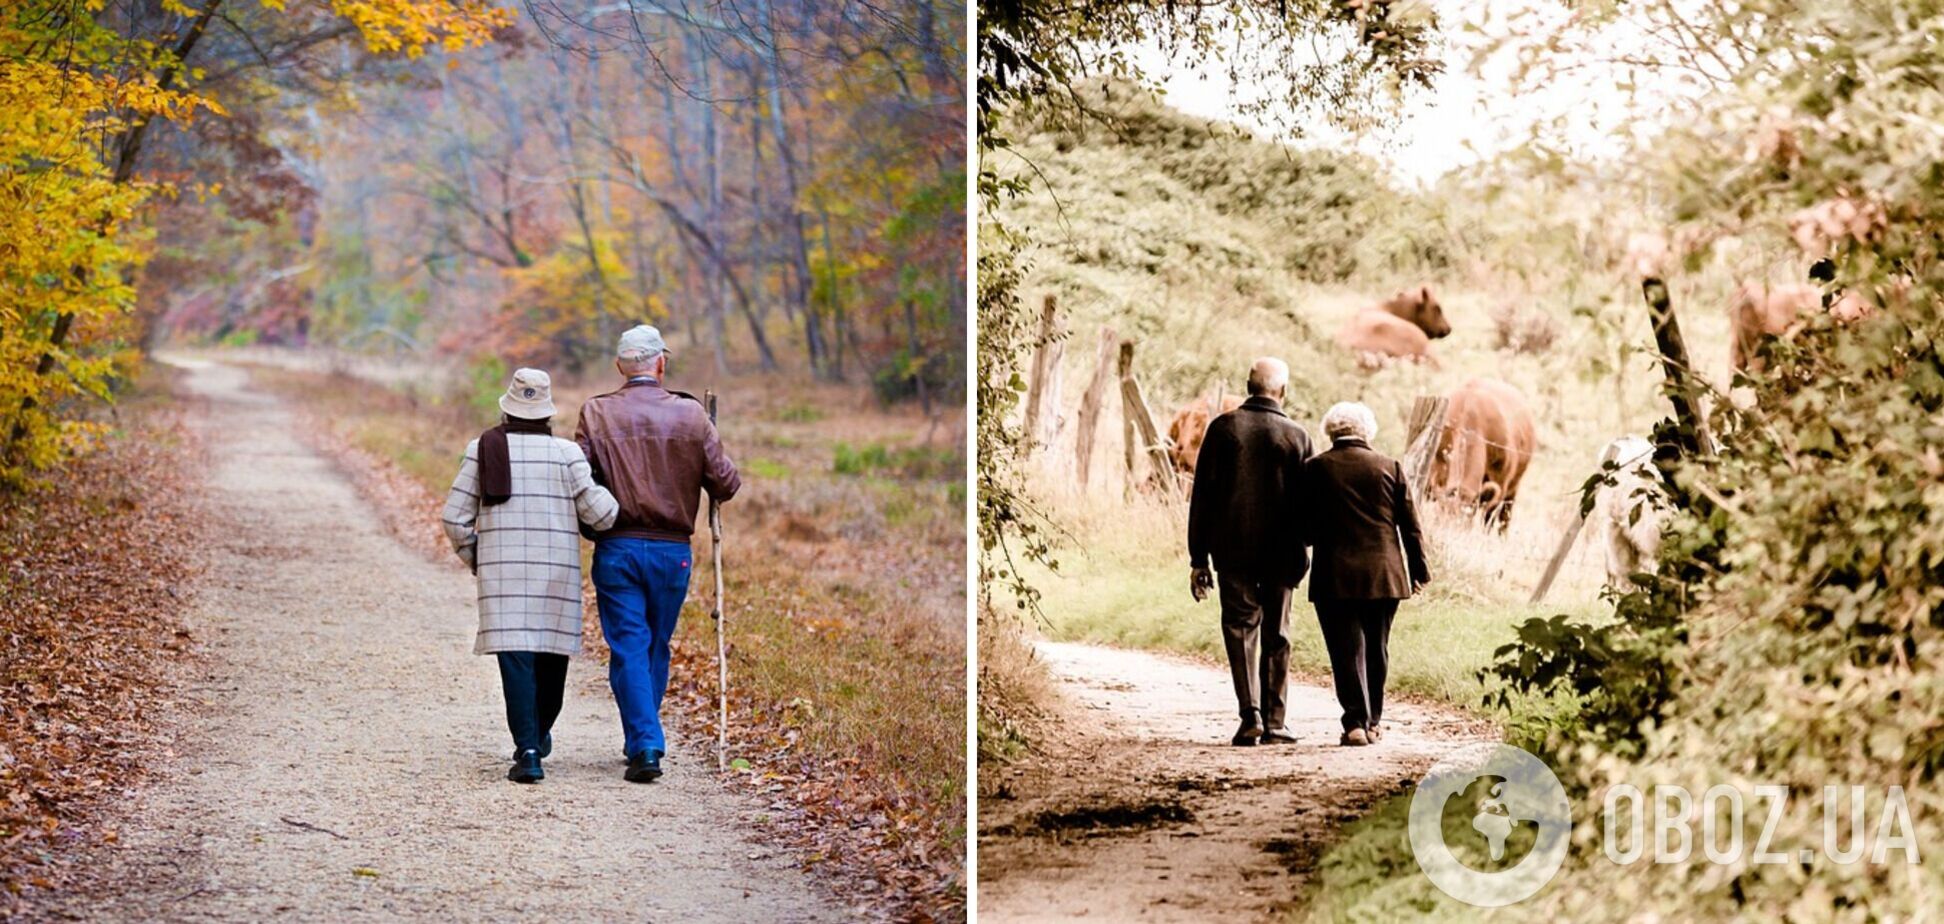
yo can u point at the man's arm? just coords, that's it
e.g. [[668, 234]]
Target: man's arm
[[585, 441], [1214, 473], [719, 475], [1297, 507], [1407, 527]]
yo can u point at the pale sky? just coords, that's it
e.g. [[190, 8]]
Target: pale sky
[[1468, 116]]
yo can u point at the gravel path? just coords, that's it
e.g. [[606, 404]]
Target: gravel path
[[1145, 812], [348, 758]]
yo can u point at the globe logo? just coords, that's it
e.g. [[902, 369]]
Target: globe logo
[[1512, 800], [1494, 821]]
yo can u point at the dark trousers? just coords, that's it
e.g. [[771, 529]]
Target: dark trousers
[[1255, 621], [1357, 634], [533, 682]]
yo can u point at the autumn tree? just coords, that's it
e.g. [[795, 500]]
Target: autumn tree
[[89, 88]]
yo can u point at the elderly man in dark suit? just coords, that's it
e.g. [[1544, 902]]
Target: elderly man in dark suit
[[1245, 478], [1362, 525]]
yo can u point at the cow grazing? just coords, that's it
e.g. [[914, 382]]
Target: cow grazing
[[1628, 512], [1190, 423], [1760, 313], [1400, 328], [1484, 449]]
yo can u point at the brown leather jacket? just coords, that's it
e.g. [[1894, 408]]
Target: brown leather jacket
[[657, 451]]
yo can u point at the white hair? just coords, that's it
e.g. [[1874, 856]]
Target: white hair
[[1349, 419], [636, 363], [1269, 376]]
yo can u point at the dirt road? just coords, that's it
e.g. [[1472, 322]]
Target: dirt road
[[1145, 812], [347, 760]]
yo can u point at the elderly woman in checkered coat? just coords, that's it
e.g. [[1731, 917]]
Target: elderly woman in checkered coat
[[513, 516]]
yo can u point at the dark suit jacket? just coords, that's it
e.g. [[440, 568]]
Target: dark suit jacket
[[1357, 508], [1245, 483]]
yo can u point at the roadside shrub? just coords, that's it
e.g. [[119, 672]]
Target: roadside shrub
[[1523, 330], [486, 380], [899, 379], [915, 462]]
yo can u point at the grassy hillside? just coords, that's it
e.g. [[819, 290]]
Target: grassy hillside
[[1211, 248]]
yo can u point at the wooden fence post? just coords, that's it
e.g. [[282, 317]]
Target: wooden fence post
[[1135, 408], [1123, 368], [1427, 425], [1558, 557], [1679, 371], [1090, 406], [1044, 386]]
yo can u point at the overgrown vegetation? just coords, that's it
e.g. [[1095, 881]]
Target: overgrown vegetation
[[88, 88]]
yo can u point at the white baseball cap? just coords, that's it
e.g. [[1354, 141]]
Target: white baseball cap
[[640, 343], [530, 397]]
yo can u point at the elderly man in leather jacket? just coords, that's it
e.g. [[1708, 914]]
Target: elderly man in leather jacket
[[1240, 518], [657, 451]]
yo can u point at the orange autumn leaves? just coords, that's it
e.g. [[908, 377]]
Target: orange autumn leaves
[[80, 85]]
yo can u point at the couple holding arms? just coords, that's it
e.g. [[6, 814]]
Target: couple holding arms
[[1264, 505], [632, 480]]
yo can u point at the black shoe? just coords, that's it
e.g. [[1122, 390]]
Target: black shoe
[[546, 745], [1278, 736], [643, 768], [1250, 731], [526, 768]]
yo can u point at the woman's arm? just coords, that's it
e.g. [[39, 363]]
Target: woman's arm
[[1407, 527], [462, 508], [593, 504]]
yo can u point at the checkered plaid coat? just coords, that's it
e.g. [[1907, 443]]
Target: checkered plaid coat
[[526, 551]]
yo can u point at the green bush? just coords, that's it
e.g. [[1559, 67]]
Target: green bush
[[486, 380], [914, 462]]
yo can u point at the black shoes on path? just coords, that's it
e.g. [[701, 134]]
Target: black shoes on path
[[526, 767], [1250, 731], [643, 768]]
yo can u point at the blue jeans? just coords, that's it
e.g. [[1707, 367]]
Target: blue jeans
[[640, 585]]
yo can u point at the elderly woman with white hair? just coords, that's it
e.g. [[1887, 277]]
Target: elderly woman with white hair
[[1366, 556]]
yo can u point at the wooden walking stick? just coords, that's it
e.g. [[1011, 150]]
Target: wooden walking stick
[[722, 647]]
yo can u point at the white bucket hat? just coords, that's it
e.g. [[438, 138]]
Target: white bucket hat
[[530, 397]]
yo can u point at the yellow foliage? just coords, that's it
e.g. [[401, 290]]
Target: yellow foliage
[[69, 238]]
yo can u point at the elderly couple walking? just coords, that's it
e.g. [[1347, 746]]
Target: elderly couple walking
[[1263, 506], [632, 480]]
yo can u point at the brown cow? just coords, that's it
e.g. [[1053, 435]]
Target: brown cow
[[1483, 450], [1190, 423], [1401, 328], [1759, 313]]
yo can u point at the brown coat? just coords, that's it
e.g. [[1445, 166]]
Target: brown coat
[[657, 451], [1357, 512]]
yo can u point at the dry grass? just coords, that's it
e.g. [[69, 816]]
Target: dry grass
[[845, 600]]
